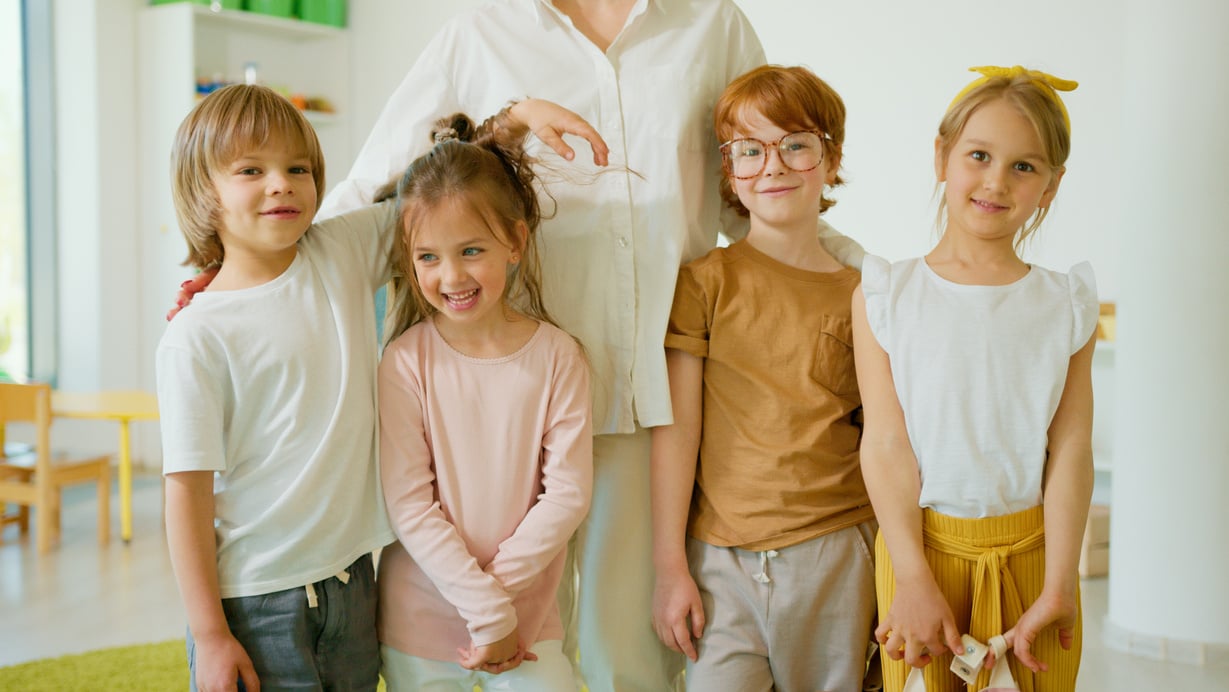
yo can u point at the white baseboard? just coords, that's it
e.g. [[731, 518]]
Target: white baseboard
[[1161, 648]]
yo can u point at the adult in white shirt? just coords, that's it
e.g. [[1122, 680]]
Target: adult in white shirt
[[645, 74]]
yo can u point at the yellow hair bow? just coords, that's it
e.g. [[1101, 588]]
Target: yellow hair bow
[[1053, 84]]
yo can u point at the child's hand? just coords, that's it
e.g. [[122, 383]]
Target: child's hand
[[221, 662], [496, 658], [550, 121], [1049, 610], [190, 288], [919, 625], [678, 613]]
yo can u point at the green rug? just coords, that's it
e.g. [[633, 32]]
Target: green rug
[[161, 667], [142, 668]]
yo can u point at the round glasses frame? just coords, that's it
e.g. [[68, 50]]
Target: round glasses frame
[[728, 164]]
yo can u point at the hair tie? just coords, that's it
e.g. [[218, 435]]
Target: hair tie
[[444, 134], [1050, 84]]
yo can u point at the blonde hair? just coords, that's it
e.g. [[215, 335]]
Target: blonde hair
[[1037, 102], [792, 98], [224, 126], [487, 169]]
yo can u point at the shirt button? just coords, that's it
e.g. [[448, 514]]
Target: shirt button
[[622, 241]]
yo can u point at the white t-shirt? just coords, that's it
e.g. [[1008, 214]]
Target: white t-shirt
[[273, 387], [979, 371], [611, 254]]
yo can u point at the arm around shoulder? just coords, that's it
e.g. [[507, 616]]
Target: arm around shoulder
[[369, 232]]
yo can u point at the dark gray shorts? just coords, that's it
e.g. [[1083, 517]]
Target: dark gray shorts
[[294, 646]]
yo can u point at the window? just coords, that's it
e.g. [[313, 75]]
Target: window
[[14, 286], [27, 238]]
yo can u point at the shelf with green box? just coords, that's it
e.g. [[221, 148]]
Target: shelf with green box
[[231, 45], [321, 13]]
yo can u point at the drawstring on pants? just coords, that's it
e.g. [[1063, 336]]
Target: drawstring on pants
[[762, 577], [313, 600]]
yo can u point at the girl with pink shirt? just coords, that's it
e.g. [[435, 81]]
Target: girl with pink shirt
[[485, 428]]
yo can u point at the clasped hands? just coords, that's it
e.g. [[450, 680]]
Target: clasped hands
[[498, 657], [920, 626]]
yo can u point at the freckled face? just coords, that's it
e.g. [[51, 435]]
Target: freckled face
[[780, 196]]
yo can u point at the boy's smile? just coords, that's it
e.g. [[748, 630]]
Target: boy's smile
[[283, 213], [267, 199], [779, 196]]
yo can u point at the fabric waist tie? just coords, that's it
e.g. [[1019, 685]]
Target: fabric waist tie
[[988, 543]]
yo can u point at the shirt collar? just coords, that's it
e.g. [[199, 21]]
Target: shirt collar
[[546, 9]]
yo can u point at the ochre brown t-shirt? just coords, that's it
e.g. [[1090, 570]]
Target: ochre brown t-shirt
[[779, 447]]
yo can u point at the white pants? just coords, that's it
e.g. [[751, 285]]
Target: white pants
[[550, 673], [606, 595]]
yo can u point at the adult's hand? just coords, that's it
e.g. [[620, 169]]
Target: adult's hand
[[550, 121]]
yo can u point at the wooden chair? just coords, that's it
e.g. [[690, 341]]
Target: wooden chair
[[34, 477]]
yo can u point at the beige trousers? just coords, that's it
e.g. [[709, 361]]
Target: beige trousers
[[796, 619]]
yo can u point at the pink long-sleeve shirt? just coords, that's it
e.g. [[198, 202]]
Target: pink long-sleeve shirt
[[487, 469]]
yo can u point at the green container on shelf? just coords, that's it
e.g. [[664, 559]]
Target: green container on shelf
[[276, 8], [331, 12], [221, 4]]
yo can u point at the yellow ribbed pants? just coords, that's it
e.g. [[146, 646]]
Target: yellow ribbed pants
[[990, 570]]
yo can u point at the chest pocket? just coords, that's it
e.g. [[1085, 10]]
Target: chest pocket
[[834, 367]]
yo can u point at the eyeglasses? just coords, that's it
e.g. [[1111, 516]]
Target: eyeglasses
[[799, 151]]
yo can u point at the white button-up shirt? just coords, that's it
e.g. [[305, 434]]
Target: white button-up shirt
[[612, 250]]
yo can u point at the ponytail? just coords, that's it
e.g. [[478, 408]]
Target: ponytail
[[486, 166]]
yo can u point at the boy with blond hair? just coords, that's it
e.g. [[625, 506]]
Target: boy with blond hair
[[266, 388]]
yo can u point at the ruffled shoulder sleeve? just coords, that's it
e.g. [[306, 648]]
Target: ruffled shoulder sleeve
[[876, 284], [1085, 307]]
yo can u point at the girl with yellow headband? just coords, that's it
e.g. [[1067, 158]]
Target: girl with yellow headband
[[975, 372]]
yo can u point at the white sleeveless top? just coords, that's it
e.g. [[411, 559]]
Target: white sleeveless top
[[979, 371]]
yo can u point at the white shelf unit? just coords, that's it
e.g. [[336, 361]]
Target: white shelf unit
[[181, 42]]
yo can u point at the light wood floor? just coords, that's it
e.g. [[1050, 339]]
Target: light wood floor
[[83, 597]]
